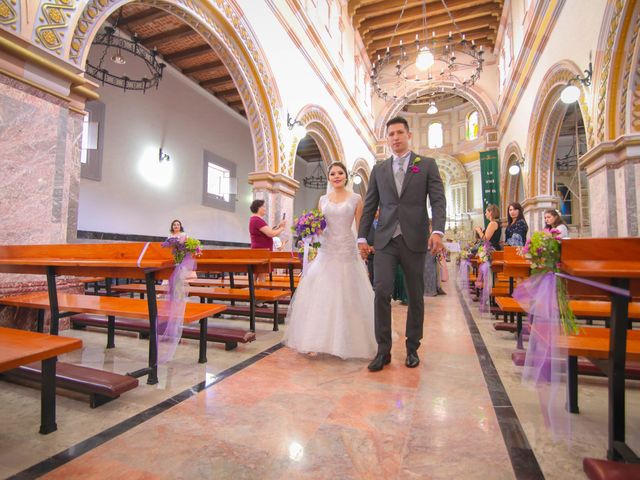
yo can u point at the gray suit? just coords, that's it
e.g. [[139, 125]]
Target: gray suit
[[409, 208]]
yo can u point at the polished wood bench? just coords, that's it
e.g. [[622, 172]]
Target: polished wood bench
[[19, 347], [215, 333], [238, 282], [220, 293], [118, 307], [596, 469], [100, 385]]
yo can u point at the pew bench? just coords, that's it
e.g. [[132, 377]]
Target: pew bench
[[215, 333], [596, 469], [100, 385], [118, 307], [20, 347], [220, 293]]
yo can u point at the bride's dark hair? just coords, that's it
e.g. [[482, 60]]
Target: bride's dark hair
[[344, 169]]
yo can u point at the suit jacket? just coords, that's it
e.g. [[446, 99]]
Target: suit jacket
[[409, 207]]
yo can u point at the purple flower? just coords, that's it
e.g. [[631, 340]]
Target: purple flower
[[415, 169]]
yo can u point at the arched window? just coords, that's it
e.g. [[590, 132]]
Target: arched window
[[436, 136], [472, 126]]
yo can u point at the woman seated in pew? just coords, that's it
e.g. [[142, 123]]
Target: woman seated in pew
[[177, 231], [517, 228], [493, 231], [553, 221]]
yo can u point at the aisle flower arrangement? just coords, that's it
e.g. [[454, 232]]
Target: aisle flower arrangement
[[182, 245]]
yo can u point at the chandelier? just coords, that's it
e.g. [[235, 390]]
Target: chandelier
[[112, 42], [397, 74], [317, 180]]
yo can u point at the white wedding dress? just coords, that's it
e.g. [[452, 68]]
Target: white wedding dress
[[332, 309]]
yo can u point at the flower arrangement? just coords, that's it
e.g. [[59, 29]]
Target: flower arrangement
[[484, 252], [308, 227], [182, 245], [414, 165], [543, 250]]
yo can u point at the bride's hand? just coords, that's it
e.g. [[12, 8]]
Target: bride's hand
[[364, 250]]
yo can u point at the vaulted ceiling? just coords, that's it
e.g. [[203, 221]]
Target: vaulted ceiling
[[180, 46], [380, 21]]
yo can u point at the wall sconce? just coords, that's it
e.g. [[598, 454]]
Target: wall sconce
[[355, 178], [163, 157], [571, 93], [296, 126], [517, 166]]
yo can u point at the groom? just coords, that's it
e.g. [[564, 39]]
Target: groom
[[399, 186]]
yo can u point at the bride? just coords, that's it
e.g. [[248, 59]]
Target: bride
[[332, 309]]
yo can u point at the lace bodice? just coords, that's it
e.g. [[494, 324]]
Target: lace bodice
[[339, 237]]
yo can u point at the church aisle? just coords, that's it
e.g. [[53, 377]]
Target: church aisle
[[290, 416]]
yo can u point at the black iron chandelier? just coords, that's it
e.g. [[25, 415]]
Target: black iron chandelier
[[399, 75], [112, 42], [317, 180]]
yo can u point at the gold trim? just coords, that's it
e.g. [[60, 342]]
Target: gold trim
[[78, 110], [34, 85], [85, 92]]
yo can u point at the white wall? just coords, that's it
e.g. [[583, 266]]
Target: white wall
[[185, 120]]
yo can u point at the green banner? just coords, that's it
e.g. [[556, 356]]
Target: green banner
[[490, 176]]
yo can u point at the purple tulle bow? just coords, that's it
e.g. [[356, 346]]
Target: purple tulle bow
[[544, 362], [484, 275], [463, 275], [170, 320]]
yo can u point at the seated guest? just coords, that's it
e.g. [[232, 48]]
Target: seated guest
[[493, 231], [261, 233], [176, 230], [517, 228], [553, 221]]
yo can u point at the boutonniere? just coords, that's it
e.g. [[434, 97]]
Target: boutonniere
[[414, 165]]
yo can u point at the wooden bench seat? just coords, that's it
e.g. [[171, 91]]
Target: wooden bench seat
[[596, 469], [585, 366], [220, 293], [100, 385], [207, 282], [215, 333]]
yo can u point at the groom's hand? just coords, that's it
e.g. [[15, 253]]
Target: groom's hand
[[364, 250], [435, 244]]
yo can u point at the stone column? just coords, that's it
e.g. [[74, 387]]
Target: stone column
[[534, 209], [278, 191], [613, 172]]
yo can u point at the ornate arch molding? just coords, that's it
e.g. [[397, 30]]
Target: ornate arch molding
[[509, 183], [321, 128], [222, 24], [11, 15], [362, 168], [544, 126], [450, 166], [474, 95]]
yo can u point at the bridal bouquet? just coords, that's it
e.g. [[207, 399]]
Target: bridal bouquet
[[308, 228], [543, 250], [180, 246]]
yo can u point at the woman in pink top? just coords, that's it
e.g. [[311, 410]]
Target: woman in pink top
[[261, 233]]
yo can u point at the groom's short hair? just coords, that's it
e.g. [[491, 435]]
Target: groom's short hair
[[398, 119]]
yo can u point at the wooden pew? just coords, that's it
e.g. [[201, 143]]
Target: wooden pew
[[219, 293], [19, 347], [615, 261], [289, 260]]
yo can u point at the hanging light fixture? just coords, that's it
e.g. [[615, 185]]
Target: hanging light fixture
[[317, 180], [454, 54], [110, 40], [433, 109]]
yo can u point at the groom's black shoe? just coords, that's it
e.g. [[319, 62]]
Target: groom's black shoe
[[379, 362], [412, 360]]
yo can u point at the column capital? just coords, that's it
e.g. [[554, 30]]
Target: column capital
[[611, 155], [274, 182]]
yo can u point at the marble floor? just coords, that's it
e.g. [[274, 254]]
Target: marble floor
[[264, 411]]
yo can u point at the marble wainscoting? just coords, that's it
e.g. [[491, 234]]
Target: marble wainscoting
[[40, 163]]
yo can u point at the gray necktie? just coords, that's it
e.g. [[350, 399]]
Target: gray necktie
[[399, 176]]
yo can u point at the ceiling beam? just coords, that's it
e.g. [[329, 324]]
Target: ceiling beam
[[386, 6], [203, 67], [186, 54], [236, 103], [473, 30], [181, 32], [216, 82], [226, 92], [416, 26], [146, 16]]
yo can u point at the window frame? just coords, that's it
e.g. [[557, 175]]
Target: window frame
[[215, 201], [437, 122], [92, 169]]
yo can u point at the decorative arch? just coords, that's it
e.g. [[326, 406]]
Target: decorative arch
[[478, 98], [224, 27], [509, 183], [321, 128], [362, 168], [544, 126]]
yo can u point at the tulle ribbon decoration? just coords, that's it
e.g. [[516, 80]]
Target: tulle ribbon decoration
[[171, 319], [486, 279], [307, 242], [463, 274], [545, 364]]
